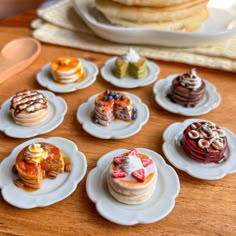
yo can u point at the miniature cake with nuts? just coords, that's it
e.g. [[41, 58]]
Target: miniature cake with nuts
[[187, 89], [38, 161], [29, 108], [130, 64], [67, 70], [204, 142], [132, 177], [110, 105]]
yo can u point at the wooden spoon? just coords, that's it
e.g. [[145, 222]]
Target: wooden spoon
[[16, 55]]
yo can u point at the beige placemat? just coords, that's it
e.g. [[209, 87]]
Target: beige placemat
[[59, 24]]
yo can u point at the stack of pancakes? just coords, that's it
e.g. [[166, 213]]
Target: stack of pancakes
[[132, 177], [67, 70], [205, 142], [185, 15], [29, 107]]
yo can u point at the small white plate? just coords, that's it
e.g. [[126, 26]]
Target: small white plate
[[176, 155], [210, 100], [51, 191], [57, 110], [118, 129], [129, 82], [213, 30], [158, 206], [45, 79]]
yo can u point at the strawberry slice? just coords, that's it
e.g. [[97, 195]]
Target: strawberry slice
[[139, 175], [119, 159], [119, 173], [146, 162], [133, 152]]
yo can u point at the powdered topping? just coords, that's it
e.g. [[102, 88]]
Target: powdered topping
[[28, 101], [131, 165], [190, 80], [207, 134], [131, 56], [35, 152]]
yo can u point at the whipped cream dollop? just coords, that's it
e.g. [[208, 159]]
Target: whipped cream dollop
[[131, 163], [190, 80], [36, 152], [131, 56]]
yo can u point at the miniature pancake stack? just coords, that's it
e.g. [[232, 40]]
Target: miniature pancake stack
[[187, 89], [29, 107], [204, 142], [37, 161], [130, 64], [110, 105], [132, 177], [67, 70], [185, 15]]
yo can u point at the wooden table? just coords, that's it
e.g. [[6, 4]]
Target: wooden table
[[202, 207]]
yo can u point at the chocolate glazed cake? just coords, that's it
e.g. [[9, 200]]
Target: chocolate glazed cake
[[187, 89]]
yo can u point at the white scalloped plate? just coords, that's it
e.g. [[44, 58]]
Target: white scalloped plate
[[210, 101], [51, 191], [45, 79], [213, 30], [118, 129], [129, 82], [176, 155], [158, 206], [57, 110]]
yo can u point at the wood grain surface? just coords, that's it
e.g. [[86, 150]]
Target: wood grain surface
[[202, 207]]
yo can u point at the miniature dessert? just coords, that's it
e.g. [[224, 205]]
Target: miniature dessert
[[38, 161], [131, 64], [204, 142], [110, 105], [187, 89], [67, 70], [29, 107], [132, 177]]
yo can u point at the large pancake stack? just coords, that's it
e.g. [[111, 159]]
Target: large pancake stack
[[185, 15]]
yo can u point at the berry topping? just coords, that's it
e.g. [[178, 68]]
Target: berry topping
[[105, 98], [139, 175], [193, 134], [119, 159], [134, 116], [95, 120], [100, 104], [146, 162], [110, 98], [133, 152], [119, 173], [122, 98], [117, 96], [107, 91]]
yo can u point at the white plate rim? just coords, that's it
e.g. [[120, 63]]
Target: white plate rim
[[178, 158], [211, 99], [28, 200], [47, 81], [165, 38], [57, 111], [125, 129], [128, 82], [144, 213]]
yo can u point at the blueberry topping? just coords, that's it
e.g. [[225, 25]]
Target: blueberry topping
[[117, 96], [135, 110], [110, 98], [107, 91], [95, 120], [122, 98], [134, 116], [100, 104], [105, 98]]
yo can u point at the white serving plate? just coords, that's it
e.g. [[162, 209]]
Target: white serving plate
[[215, 29], [129, 82], [158, 206], [210, 101], [177, 157], [45, 78], [57, 110], [51, 191], [118, 129]]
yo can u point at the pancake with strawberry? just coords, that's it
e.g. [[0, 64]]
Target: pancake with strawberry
[[204, 142], [132, 177]]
